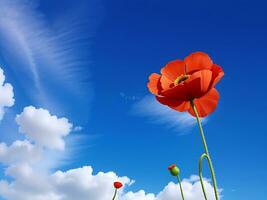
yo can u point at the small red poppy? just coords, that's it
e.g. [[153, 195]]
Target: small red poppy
[[117, 185]]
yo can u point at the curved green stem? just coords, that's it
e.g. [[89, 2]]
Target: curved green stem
[[114, 196], [200, 172], [205, 155], [180, 184]]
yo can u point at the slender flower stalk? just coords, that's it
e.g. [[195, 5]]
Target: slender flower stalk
[[180, 184], [117, 185], [115, 194], [204, 155], [175, 171]]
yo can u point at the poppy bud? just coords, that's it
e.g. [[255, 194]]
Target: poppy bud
[[174, 170], [117, 185]]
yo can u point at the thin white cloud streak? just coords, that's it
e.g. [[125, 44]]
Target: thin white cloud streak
[[46, 51], [150, 108], [21, 26]]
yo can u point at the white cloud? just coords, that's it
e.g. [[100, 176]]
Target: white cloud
[[191, 187], [41, 46], [140, 195], [43, 128], [57, 49], [78, 183], [20, 170], [192, 190], [6, 94], [157, 113], [82, 184], [30, 182], [19, 151]]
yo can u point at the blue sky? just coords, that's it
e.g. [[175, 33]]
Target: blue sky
[[89, 61]]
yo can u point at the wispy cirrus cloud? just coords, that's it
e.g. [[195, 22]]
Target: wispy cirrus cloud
[[150, 108], [46, 53]]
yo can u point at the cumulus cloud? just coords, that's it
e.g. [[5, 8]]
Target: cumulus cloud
[[43, 128], [140, 195], [19, 151], [6, 94], [191, 187], [157, 113], [77, 183], [82, 184], [23, 159], [192, 190]]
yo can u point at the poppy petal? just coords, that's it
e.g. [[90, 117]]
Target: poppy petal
[[165, 82], [173, 69], [199, 83], [217, 74], [206, 104], [178, 92], [180, 106], [154, 83], [197, 61]]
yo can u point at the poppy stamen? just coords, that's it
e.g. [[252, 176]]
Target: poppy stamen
[[180, 79]]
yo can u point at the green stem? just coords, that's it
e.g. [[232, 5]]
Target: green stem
[[205, 155], [180, 184], [114, 196], [200, 172]]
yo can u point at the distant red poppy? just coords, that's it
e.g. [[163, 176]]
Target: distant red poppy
[[181, 81], [117, 185]]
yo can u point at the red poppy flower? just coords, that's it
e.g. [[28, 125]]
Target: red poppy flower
[[181, 81], [117, 185]]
